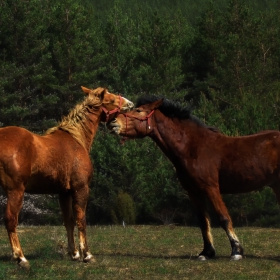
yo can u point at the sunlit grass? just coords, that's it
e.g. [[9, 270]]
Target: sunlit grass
[[142, 252]]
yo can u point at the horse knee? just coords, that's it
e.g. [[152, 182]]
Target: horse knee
[[69, 224], [203, 220], [81, 225], [10, 222], [224, 221]]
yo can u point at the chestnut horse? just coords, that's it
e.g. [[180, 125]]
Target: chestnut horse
[[207, 162], [58, 163]]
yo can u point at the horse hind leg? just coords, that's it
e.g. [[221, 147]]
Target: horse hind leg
[[65, 201], [13, 207]]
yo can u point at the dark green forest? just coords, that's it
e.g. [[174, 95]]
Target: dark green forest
[[222, 58]]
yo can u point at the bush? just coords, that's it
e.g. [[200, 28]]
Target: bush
[[124, 209]]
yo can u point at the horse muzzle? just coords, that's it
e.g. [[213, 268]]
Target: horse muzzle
[[128, 106], [114, 127]]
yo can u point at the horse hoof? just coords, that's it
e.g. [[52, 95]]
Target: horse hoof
[[236, 257], [76, 256], [202, 258], [89, 258], [24, 264]]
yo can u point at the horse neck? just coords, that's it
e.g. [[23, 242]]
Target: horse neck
[[90, 127], [169, 137], [82, 129]]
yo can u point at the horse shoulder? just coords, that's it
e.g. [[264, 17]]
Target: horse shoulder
[[201, 157], [66, 149]]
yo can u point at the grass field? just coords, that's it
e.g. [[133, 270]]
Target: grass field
[[142, 252]]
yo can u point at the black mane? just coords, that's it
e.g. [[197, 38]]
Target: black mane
[[173, 109]]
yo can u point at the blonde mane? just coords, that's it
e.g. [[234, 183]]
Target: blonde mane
[[77, 121]]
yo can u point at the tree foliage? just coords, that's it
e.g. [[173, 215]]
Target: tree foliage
[[221, 57]]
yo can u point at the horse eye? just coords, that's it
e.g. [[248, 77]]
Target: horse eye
[[138, 110]]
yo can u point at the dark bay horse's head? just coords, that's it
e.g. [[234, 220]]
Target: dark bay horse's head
[[111, 103], [137, 123]]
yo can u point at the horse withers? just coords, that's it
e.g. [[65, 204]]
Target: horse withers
[[55, 163], [207, 162]]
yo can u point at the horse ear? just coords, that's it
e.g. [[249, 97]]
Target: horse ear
[[103, 93], [86, 90], [157, 103]]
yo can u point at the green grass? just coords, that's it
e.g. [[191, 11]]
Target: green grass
[[142, 252]]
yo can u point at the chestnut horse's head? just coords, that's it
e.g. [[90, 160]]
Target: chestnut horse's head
[[111, 103], [137, 123]]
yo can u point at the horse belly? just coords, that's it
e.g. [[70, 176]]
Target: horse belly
[[45, 185], [244, 184]]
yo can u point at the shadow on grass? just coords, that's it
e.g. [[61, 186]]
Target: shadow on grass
[[28, 257], [43, 255], [269, 258], [188, 257]]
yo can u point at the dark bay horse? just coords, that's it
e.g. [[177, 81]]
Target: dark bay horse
[[207, 162], [58, 163]]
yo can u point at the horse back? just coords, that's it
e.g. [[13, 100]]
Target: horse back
[[232, 164], [250, 162]]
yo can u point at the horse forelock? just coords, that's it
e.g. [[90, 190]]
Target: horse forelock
[[77, 121], [173, 109], [168, 108]]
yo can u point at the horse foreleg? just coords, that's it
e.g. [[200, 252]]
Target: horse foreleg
[[216, 200], [79, 203], [208, 249], [205, 227], [65, 201], [14, 205]]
